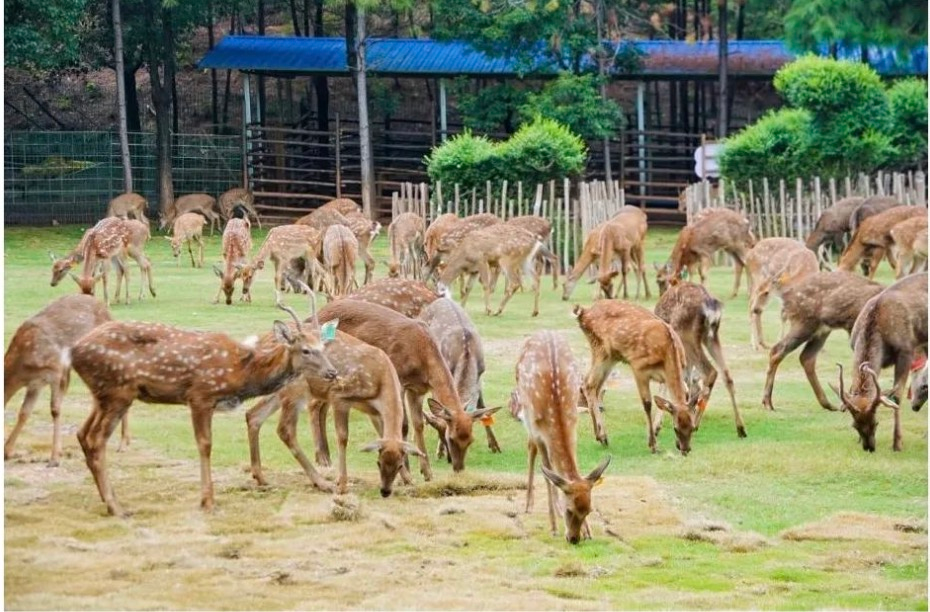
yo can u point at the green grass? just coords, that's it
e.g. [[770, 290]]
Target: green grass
[[800, 464]]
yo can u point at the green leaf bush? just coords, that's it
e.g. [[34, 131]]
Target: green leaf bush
[[779, 145], [907, 100]]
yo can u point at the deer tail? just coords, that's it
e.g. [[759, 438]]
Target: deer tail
[[712, 310]]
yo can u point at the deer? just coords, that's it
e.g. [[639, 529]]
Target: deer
[[546, 397], [202, 203], [368, 382], [437, 230], [40, 354], [623, 331], [460, 345], [918, 391], [340, 248], [365, 231], [238, 196], [891, 329], [124, 361], [716, 229], [128, 205], [408, 297], [873, 238], [188, 227], [774, 264], [420, 368], [813, 307], [695, 316], [284, 244], [112, 239], [342, 205], [623, 237], [405, 235], [870, 207], [454, 236], [831, 232], [909, 245], [237, 244], [510, 249]]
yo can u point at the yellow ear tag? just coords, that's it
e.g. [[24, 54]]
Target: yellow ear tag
[[598, 482], [487, 420]]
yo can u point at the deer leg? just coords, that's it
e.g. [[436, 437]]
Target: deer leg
[[642, 386], [32, 394], [791, 341], [757, 304], [318, 413], [877, 254], [190, 251], [202, 418], [641, 259], [531, 454], [485, 273], [58, 390], [341, 422], [93, 436], [552, 493], [513, 284], [537, 281], [287, 431], [415, 410], [624, 264], [466, 290], [255, 417], [492, 440], [716, 353], [369, 264], [594, 382], [809, 363], [902, 368], [738, 265]]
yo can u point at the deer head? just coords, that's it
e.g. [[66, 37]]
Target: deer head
[[663, 276], [391, 456], [862, 404], [685, 419], [457, 428], [577, 498]]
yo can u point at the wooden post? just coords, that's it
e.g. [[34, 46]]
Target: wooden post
[[338, 158], [424, 198], [849, 190], [537, 203], [456, 211], [799, 186], [784, 211], [474, 202], [439, 202], [921, 185], [519, 197], [818, 203], [504, 210], [832, 191]]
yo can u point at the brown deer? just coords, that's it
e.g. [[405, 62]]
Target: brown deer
[[622, 331], [695, 316], [546, 397], [832, 228], [112, 239], [234, 197], [873, 238], [408, 297], [128, 206], [458, 341], [455, 235], [284, 244], [340, 249], [40, 354], [237, 244], [365, 231], [123, 361], [774, 264], [813, 307], [188, 228], [342, 205], [870, 207], [918, 390], [623, 237], [405, 235], [437, 230], [203, 203], [420, 368], [366, 381], [909, 245], [716, 229], [890, 330]]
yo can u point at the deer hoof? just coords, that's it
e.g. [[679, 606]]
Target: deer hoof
[[741, 432], [53, 463], [494, 448]]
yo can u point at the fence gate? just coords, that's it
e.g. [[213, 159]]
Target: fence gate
[[657, 166]]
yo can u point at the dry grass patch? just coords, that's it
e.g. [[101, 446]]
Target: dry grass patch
[[860, 526]]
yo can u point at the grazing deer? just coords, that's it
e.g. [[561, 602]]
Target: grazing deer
[[546, 397], [716, 229], [918, 390], [695, 315], [813, 307], [40, 354], [187, 228], [458, 341], [832, 228], [340, 248], [366, 381], [342, 205], [890, 330], [406, 237], [284, 244], [322, 218], [870, 207], [436, 231], [622, 331], [773, 265], [420, 368], [623, 237], [238, 196], [365, 231], [202, 203], [408, 297], [123, 361], [873, 238], [128, 205], [909, 245], [455, 235], [237, 244], [112, 239]]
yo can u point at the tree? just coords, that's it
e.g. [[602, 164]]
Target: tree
[[575, 102], [811, 24], [42, 35], [121, 97]]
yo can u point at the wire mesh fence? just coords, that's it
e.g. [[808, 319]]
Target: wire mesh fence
[[69, 177]]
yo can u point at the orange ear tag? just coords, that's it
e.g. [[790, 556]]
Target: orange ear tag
[[487, 420], [702, 404]]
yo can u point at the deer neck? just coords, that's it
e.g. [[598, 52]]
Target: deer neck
[[271, 369], [440, 380]]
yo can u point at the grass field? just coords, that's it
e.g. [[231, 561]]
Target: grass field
[[796, 516]]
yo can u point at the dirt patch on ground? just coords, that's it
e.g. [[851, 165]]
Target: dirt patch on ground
[[858, 526]]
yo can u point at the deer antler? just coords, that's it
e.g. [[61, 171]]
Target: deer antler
[[842, 390], [306, 289], [287, 309], [866, 369]]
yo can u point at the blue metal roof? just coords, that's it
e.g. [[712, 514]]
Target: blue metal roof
[[426, 57]]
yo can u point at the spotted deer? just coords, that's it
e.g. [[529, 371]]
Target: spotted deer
[[128, 206], [284, 244], [545, 399], [437, 230], [872, 239], [340, 249], [238, 196], [622, 331], [909, 245], [40, 354], [408, 297], [715, 230], [365, 231], [405, 235], [188, 228], [237, 245], [451, 239], [122, 361], [420, 368], [832, 228], [890, 330], [622, 237], [813, 307], [113, 239], [870, 207], [695, 316], [366, 381], [202, 203], [342, 205], [774, 264]]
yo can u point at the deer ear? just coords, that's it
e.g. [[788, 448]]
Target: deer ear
[[595, 476], [217, 271], [282, 333], [439, 410], [436, 422], [52, 256], [372, 446], [663, 404], [410, 449], [477, 415], [555, 479], [328, 331]]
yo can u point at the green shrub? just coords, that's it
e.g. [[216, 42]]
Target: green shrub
[[465, 159], [575, 101], [907, 100], [491, 109], [779, 145]]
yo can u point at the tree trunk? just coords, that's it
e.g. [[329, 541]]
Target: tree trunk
[[321, 83], [722, 118], [364, 132], [160, 71], [133, 119], [214, 84], [121, 97], [602, 69], [295, 19]]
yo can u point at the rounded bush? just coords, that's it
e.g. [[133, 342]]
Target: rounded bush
[[465, 159], [779, 145], [907, 100]]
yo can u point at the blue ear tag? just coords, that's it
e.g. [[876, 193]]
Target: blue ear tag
[[328, 330]]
